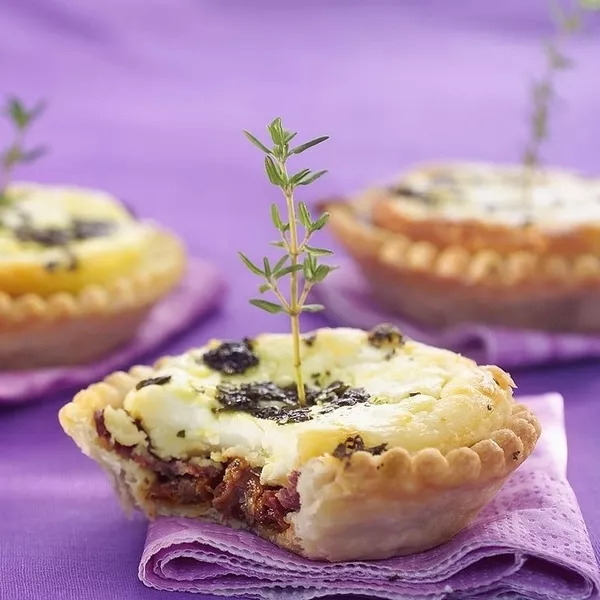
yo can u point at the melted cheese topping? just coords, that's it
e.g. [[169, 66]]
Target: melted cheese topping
[[497, 194], [56, 206], [24, 265], [420, 397]]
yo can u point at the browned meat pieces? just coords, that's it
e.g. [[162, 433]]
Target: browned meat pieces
[[235, 491], [229, 493], [241, 495], [182, 490], [288, 495]]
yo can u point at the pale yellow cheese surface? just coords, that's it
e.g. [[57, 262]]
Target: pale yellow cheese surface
[[500, 194], [420, 397], [24, 264]]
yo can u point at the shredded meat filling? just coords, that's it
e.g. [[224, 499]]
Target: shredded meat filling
[[242, 495], [235, 491], [182, 490]]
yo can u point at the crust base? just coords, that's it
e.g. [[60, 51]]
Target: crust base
[[67, 329], [442, 286], [361, 508]]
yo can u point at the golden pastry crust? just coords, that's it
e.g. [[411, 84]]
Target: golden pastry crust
[[440, 285], [408, 501], [566, 226], [70, 316]]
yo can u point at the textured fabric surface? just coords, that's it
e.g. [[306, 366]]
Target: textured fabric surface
[[345, 294], [148, 98], [198, 293], [531, 539]]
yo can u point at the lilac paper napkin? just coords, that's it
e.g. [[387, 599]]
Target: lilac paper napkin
[[529, 542], [199, 292], [345, 295]]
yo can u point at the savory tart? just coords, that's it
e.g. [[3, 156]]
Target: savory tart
[[472, 242], [397, 449], [78, 273]]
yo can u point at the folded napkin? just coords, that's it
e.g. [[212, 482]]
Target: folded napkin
[[529, 542], [198, 293], [345, 295]]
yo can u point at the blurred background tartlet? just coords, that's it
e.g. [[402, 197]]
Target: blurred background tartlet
[[78, 274], [474, 242]]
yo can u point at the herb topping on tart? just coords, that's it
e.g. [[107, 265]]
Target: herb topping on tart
[[356, 444], [231, 357], [162, 380], [76, 230], [267, 400], [385, 335]]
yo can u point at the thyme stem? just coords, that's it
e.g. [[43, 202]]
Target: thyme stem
[[295, 306], [21, 118], [567, 23], [298, 256]]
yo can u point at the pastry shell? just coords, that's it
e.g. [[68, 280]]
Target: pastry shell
[[440, 285], [360, 508], [72, 328]]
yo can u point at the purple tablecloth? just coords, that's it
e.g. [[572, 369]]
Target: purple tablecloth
[[148, 98]]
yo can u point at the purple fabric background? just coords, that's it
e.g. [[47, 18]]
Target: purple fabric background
[[148, 98]]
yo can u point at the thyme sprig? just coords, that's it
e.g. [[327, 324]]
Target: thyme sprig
[[21, 119], [300, 259], [567, 22]]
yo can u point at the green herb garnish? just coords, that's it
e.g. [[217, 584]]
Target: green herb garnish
[[299, 259], [15, 154], [543, 91]]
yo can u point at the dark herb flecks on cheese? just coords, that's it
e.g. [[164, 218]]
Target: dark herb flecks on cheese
[[51, 266], [248, 396], [77, 230], [354, 444], [267, 400], [385, 335], [336, 395], [231, 358], [83, 229], [51, 236], [153, 381], [310, 340], [408, 192]]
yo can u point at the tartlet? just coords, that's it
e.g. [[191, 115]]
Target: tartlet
[[78, 274], [400, 446], [479, 243]]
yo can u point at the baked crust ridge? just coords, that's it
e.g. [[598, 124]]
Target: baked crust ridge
[[440, 285]]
